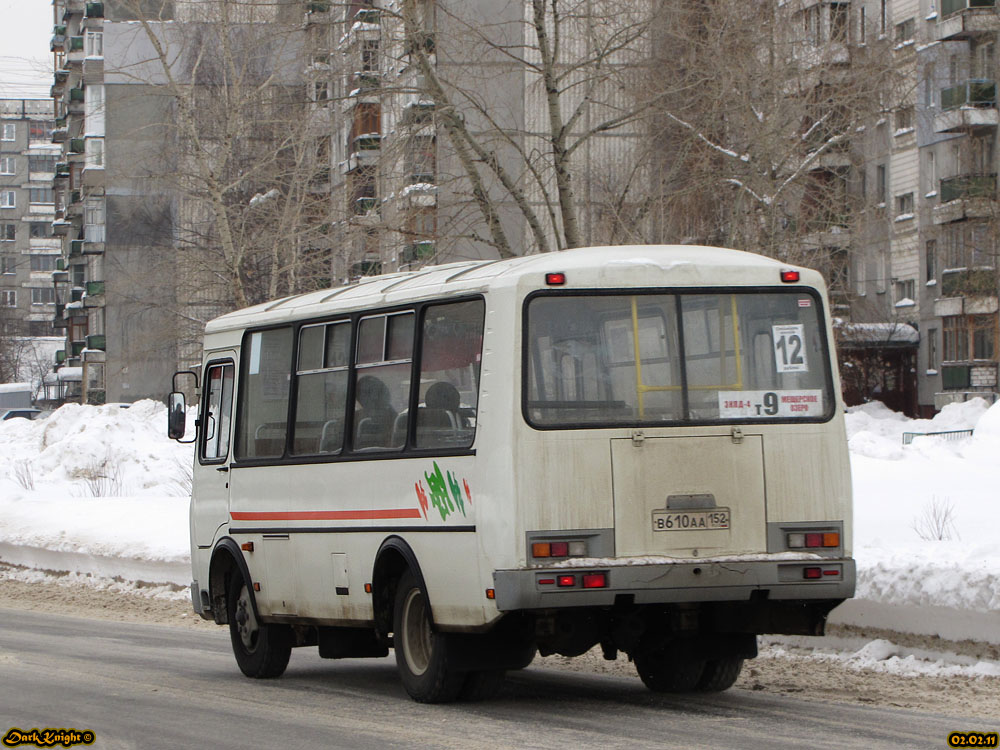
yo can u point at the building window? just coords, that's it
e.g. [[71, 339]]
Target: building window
[[880, 183], [931, 173], [40, 130], [41, 164], [41, 195], [905, 290], [95, 44], [838, 22], [43, 296], [904, 119], [8, 264], [904, 206], [984, 335], [369, 55], [94, 110], [930, 261], [932, 348], [863, 26], [8, 298], [43, 262], [883, 18], [8, 165], [95, 153], [8, 199], [8, 232], [956, 338], [905, 31], [39, 230], [8, 132]]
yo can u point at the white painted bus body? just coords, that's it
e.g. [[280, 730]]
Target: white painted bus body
[[309, 531]]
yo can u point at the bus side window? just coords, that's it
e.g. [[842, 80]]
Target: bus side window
[[218, 412], [382, 390], [263, 400], [321, 377], [451, 350]]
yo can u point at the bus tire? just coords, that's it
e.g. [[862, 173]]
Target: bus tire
[[666, 673], [422, 654], [720, 674], [262, 650]]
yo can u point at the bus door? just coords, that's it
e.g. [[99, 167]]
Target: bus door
[[211, 510]]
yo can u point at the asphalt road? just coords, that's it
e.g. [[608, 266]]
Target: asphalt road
[[147, 686]]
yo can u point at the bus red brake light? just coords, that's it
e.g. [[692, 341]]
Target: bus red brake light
[[555, 279], [595, 580], [559, 549], [565, 581], [812, 573], [789, 276]]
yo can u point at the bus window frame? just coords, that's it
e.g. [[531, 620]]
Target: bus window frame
[[348, 452], [203, 413], [678, 292]]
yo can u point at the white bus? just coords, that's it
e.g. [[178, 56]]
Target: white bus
[[638, 448]]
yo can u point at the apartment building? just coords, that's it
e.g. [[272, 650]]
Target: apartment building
[[28, 251]]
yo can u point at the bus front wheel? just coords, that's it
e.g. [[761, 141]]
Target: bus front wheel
[[261, 649], [422, 654]]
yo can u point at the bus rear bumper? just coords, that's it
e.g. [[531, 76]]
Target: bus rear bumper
[[674, 583]]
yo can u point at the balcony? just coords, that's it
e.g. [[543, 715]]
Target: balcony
[[75, 103], [75, 248], [964, 19], [417, 112], [58, 39], [74, 50], [421, 192], [97, 341], [318, 12], [417, 252], [94, 10], [93, 69], [969, 106], [976, 282], [62, 171], [61, 227], [77, 146], [72, 8], [95, 288], [968, 196]]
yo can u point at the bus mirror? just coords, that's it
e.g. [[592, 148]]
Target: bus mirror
[[176, 415]]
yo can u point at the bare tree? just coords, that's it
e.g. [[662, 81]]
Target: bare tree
[[244, 162], [761, 104]]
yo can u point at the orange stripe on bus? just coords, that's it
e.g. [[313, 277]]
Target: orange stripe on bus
[[326, 515]]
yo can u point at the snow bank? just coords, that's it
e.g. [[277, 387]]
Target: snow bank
[[95, 481]]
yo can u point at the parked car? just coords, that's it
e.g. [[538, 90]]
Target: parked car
[[30, 413]]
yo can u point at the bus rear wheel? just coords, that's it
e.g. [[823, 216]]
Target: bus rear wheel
[[665, 673], [720, 674], [262, 650], [422, 654]]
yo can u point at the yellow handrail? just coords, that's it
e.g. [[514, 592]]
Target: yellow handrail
[[641, 388]]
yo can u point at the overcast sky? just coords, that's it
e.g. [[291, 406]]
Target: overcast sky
[[25, 60]]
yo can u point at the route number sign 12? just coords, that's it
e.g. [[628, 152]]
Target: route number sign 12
[[790, 348]]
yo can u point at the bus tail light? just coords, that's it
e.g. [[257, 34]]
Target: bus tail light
[[595, 580], [576, 548], [813, 539], [812, 573], [564, 581]]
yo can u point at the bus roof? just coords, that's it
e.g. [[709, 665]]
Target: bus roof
[[639, 266]]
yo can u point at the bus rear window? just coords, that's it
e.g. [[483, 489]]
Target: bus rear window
[[603, 360]]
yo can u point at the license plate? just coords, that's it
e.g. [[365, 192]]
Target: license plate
[[690, 520]]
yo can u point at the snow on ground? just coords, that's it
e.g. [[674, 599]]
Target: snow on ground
[[102, 491]]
